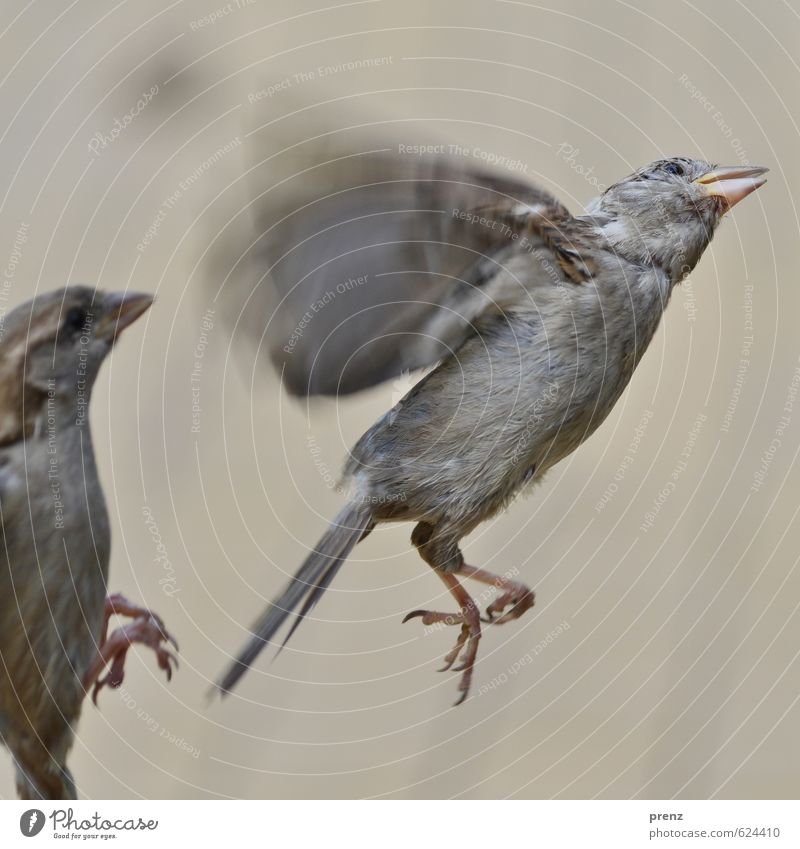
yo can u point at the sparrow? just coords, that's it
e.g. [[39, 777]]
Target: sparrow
[[54, 614], [367, 263]]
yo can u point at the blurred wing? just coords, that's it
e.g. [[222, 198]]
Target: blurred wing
[[369, 262]]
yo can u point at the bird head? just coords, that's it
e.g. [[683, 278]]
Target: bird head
[[666, 213], [54, 345]]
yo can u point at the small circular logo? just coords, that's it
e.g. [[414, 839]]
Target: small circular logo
[[31, 822]]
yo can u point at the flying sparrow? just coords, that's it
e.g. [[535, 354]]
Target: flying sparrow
[[55, 532], [377, 263]]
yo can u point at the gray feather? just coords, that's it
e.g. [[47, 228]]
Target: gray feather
[[361, 264]]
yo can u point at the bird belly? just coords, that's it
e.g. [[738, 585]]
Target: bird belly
[[513, 402], [53, 569]]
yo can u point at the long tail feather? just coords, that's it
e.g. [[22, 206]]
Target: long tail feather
[[309, 582], [313, 597]]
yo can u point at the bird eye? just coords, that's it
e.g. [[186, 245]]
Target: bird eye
[[673, 168], [75, 319]]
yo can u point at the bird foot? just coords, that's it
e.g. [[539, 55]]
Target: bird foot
[[513, 593], [147, 629], [466, 645], [518, 596]]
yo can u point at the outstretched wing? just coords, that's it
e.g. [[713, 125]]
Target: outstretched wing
[[370, 259]]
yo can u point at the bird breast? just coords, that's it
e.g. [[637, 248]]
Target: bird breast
[[532, 384], [54, 562]]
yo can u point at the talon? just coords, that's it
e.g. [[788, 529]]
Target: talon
[[432, 617], [519, 597], [165, 659], [147, 628], [451, 657], [413, 615]]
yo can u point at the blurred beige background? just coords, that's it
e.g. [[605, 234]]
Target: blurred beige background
[[678, 672]]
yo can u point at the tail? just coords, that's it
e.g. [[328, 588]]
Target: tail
[[310, 581]]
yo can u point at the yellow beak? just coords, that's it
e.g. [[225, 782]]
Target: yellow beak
[[732, 183]]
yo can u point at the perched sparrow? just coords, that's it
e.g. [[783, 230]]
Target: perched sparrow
[[379, 263], [55, 530]]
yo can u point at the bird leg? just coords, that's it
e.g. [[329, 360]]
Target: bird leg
[[513, 593], [469, 619], [147, 628]]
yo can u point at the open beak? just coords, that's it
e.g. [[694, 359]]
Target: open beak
[[732, 183], [121, 309]]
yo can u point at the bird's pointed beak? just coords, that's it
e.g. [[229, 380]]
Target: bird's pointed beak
[[732, 183], [121, 309]]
